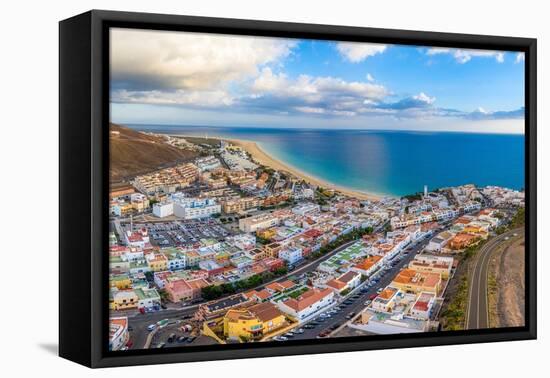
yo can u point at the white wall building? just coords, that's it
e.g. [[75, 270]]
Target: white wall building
[[309, 303], [306, 208], [291, 254], [163, 209], [194, 208]]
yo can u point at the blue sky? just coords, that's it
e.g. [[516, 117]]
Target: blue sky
[[201, 79]]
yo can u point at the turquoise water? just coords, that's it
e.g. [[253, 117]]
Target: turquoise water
[[384, 162]]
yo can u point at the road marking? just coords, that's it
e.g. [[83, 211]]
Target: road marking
[[482, 257]]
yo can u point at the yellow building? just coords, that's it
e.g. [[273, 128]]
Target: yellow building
[[412, 281], [125, 208], [267, 234], [120, 281], [158, 263], [193, 258], [254, 322], [124, 299]]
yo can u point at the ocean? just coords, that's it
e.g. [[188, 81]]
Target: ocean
[[384, 162]]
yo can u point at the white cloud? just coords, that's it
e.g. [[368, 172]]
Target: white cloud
[[309, 94], [356, 52], [424, 98], [370, 77], [520, 57], [203, 98], [463, 56], [157, 60]]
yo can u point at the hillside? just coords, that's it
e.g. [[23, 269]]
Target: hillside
[[133, 153]]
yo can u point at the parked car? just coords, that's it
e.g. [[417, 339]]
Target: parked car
[[325, 333], [171, 338], [151, 327], [182, 339]]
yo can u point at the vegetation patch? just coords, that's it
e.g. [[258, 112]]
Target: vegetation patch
[[454, 316]]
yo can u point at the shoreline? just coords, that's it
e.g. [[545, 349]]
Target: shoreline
[[260, 156]]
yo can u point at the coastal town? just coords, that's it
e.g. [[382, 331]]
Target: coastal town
[[228, 248]]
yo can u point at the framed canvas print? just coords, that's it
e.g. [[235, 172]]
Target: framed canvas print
[[234, 188]]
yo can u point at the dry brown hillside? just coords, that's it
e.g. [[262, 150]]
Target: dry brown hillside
[[133, 153]]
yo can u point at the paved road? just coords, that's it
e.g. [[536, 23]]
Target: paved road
[[477, 316], [358, 304], [139, 322]]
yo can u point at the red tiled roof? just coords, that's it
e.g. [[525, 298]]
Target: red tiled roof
[[307, 299]]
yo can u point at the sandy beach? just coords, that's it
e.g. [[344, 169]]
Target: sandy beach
[[263, 158]]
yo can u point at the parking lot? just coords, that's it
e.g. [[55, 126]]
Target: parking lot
[[182, 233]]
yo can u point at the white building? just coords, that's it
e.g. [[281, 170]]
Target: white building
[[147, 298], [347, 281], [194, 208], [163, 209], [291, 254], [306, 208], [243, 242], [423, 307], [133, 254], [118, 332], [207, 163], [307, 304], [438, 242], [258, 222]]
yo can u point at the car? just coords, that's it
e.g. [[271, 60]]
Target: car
[[379, 290], [130, 328], [161, 345], [300, 331], [190, 339], [151, 327], [325, 333], [514, 234], [309, 326], [171, 338], [350, 315], [163, 306], [282, 338], [182, 339], [372, 296], [289, 334]]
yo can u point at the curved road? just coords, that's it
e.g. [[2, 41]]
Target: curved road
[[477, 316]]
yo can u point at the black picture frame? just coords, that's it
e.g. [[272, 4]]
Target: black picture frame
[[83, 181]]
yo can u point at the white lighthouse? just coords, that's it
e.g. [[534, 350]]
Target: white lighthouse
[[425, 191]]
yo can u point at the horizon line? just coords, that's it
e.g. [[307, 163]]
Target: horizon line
[[323, 129]]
